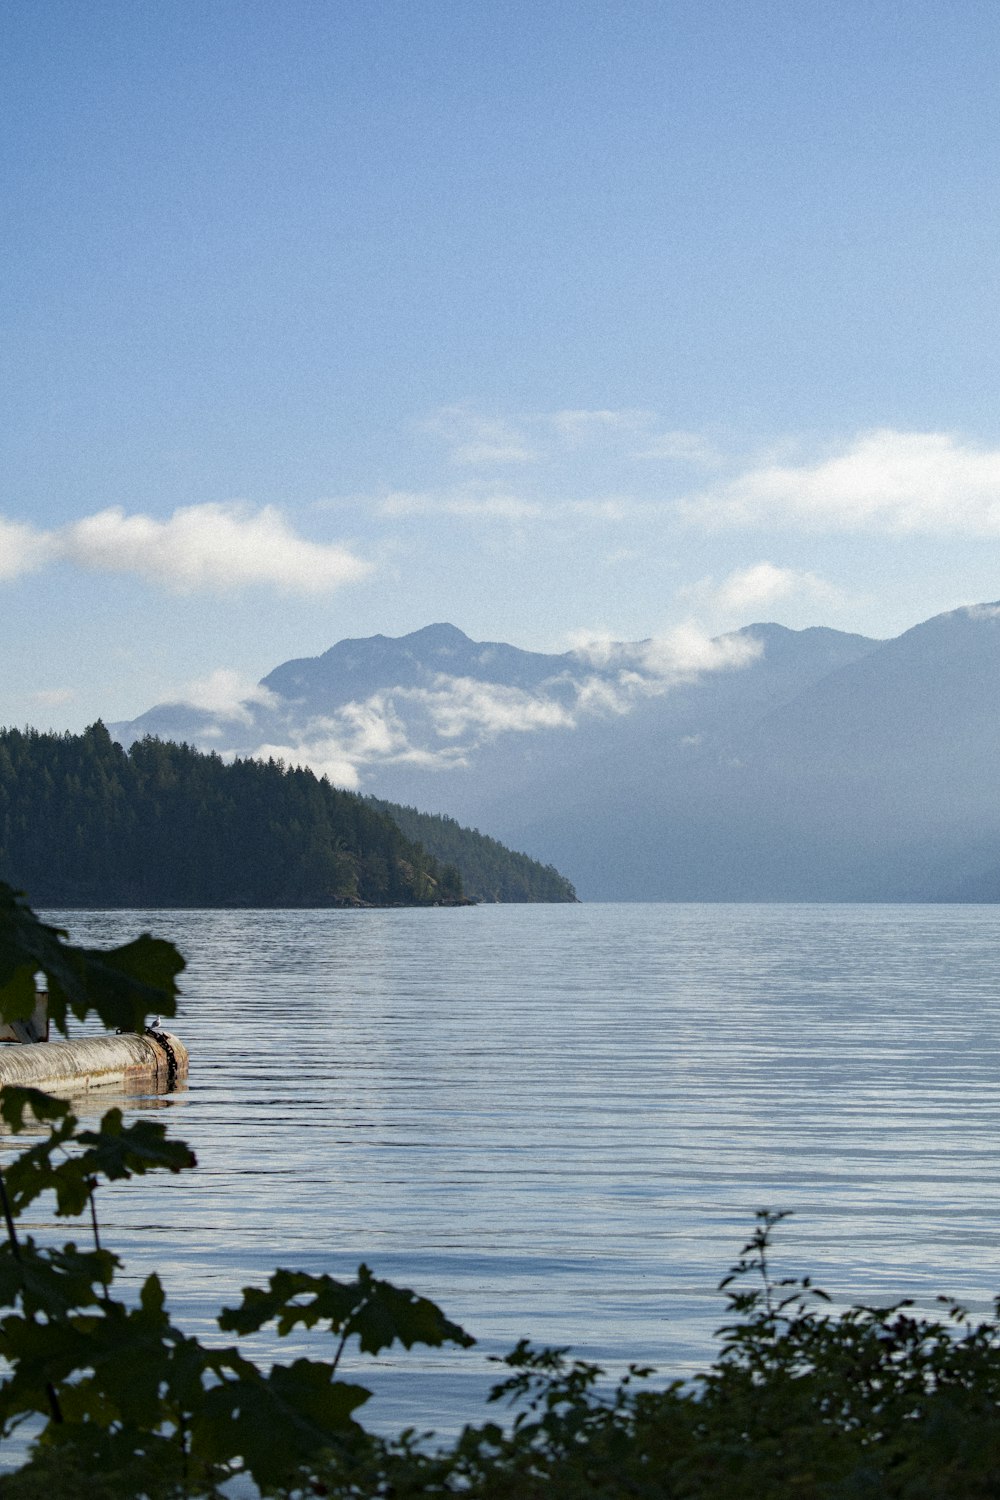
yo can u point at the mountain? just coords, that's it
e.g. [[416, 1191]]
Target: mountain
[[303, 699], [770, 765], [355, 669], [877, 780]]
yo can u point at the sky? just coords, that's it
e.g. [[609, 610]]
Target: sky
[[559, 322]]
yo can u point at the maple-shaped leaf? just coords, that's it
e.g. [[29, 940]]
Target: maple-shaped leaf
[[118, 1150], [122, 986], [276, 1422], [378, 1312]]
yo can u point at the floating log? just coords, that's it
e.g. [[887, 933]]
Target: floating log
[[126, 1061]]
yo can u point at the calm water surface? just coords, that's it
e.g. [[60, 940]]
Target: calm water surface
[[558, 1121]]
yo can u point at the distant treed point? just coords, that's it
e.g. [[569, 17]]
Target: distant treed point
[[85, 823]]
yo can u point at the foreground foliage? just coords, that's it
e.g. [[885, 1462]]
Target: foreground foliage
[[799, 1402]]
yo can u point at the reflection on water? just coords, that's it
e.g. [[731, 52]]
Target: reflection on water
[[558, 1121]]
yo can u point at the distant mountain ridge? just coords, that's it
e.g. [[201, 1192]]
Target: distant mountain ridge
[[792, 765], [373, 663], [354, 670]]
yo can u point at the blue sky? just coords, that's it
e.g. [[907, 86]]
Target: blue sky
[[550, 320]]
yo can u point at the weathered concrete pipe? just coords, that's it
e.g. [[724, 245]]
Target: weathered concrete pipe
[[125, 1061]]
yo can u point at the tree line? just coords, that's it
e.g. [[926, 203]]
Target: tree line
[[85, 823], [490, 871]]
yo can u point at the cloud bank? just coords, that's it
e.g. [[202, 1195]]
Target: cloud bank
[[441, 726], [758, 587], [22, 549], [209, 548], [888, 482], [467, 506], [881, 482], [228, 695], [474, 440], [653, 666]]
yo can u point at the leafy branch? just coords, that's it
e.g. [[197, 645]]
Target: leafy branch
[[121, 1388]]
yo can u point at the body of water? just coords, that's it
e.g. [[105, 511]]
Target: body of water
[[558, 1121]]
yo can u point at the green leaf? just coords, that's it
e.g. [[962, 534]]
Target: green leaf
[[379, 1313], [390, 1313], [114, 1151], [118, 1150], [128, 1352], [41, 1355], [278, 1421], [80, 1459], [126, 985], [17, 987], [53, 1281], [122, 986], [330, 1300], [41, 1168], [15, 1100], [115, 1364]]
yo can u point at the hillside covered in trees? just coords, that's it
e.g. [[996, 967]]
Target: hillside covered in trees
[[83, 823], [490, 871]]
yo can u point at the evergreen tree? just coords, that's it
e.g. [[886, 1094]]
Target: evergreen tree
[[489, 871], [82, 823]]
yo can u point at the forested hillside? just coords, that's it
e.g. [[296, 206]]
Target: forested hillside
[[489, 870], [83, 823]]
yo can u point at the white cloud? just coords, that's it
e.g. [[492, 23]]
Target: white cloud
[[474, 439], [465, 506], [22, 549], [890, 482], [229, 695], [474, 505], [687, 651], [758, 587], [463, 705], [313, 757], [212, 547], [452, 717], [680, 447], [598, 647], [369, 730], [209, 547], [54, 697], [339, 744], [654, 665], [577, 426]]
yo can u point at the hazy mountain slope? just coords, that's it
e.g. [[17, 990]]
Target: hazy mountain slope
[[876, 781], [599, 802], [297, 697], [355, 669], [826, 767], [892, 761]]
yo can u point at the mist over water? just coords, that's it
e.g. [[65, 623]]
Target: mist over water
[[558, 1121]]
